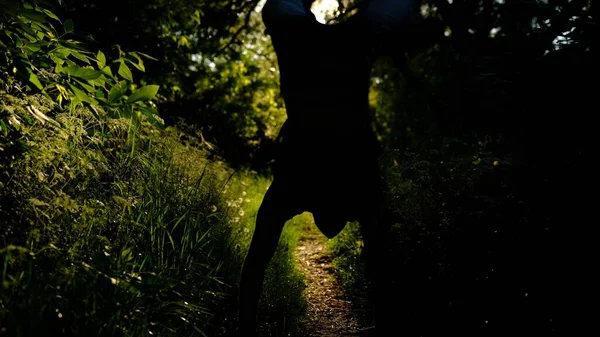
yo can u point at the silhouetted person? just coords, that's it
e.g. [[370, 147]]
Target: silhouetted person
[[326, 160]]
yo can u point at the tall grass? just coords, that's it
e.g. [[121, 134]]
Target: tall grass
[[114, 230]]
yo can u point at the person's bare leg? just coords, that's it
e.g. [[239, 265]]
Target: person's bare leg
[[273, 213]]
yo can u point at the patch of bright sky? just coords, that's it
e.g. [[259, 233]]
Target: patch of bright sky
[[324, 8], [320, 8], [260, 5]]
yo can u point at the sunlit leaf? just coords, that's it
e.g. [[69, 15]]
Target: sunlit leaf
[[90, 88], [147, 56], [3, 127], [117, 91], [50, 14], [106, 70], [62, 52], [81, 95], [101, 59], [84, 73], [137, 65], [143, 94], [33, 79], [42, 29], [57, 60], [80, 56], [125, 72], [33, 15], [100, 81], [152, 115]]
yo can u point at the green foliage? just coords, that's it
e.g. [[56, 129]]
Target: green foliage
[[48, 61], [216, 68], [347, 249], [107, 239]]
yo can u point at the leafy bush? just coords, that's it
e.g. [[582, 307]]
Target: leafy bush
[[47, 61], [123, 240]]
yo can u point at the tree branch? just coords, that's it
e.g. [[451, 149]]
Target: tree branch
[[245, 26]]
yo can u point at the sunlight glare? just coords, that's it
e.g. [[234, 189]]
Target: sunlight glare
[[323, 9]]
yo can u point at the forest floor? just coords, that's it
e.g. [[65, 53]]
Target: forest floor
[[329, 312]]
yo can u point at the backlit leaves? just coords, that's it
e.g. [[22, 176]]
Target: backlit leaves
[[143, 94]]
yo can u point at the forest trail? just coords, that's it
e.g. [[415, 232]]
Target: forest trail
[[329, 313]]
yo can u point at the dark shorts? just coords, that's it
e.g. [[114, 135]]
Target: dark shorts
[[330, 172]]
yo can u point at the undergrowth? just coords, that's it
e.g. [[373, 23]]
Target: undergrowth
[[109, 234]]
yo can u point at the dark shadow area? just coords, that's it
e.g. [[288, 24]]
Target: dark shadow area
[[489, 170], [487, 155]]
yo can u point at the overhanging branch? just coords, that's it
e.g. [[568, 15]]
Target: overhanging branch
[[253, 4]]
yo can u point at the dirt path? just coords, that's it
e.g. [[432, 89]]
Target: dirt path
[[328, 314]]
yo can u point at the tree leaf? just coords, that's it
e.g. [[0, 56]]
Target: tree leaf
[[144, 93], [3, 127], [35, 80], [99, 93], [56, 59], [61, 53], [41, 28], [51, 15], [101, 59], [147, 56], [100, 81], [125, 72], [83, 73], [33, 47], [32, 15], [81, 95], [69, 27], [152, 115], [117, 91], [106, 70], [89, 88], [80, 56], [139, 65]]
